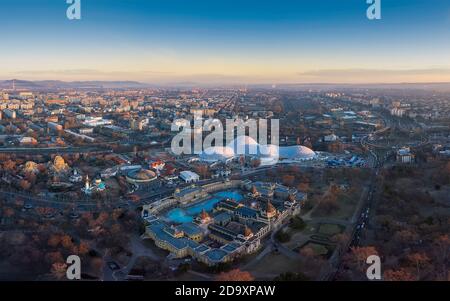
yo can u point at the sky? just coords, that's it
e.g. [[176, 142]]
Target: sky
[[226, 41]]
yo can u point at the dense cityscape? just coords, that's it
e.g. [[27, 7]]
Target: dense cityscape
[[89, 170], [250, 148]]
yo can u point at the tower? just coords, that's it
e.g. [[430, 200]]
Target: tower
[[247, 232], [87, 185], [270, 210]]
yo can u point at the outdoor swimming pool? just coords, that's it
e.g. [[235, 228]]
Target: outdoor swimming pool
[[186, 215]]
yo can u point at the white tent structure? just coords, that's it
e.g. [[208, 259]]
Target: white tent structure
[[247, 146], [297, 152], [217, 154]]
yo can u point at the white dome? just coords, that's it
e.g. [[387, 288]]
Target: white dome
[[243, 140], [296, 152], [268, 161], [269, 151], [244, 145], [216, 153], [269, 154]]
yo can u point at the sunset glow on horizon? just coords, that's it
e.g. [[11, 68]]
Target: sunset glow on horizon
[[231, 42]]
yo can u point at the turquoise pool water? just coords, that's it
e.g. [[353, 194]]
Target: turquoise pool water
[[186, 215]]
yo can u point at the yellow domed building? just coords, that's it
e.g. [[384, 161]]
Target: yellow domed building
[[30, 167], [59, 165]]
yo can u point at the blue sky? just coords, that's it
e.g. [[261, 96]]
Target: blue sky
[[230, 41]]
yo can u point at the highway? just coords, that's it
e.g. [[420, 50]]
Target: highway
[[361, 216], [366, 209]]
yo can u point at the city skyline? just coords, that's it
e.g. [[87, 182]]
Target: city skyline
[[227, 42]]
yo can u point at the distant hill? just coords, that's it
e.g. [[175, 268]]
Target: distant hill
[[55, 84]]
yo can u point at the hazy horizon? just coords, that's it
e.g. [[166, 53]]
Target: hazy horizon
[[227, 42], [194, 83]]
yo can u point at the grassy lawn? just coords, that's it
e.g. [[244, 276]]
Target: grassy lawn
[[309, 229], [298, 237], [319, 250], [274, 264], [347, 205], [330, 229]]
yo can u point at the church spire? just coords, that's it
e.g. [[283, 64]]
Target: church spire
[[87, 184]]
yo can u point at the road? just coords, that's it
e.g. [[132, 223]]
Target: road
[[362, 220], [91, 149]]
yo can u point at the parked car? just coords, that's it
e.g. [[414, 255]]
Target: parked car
[[113, 266]]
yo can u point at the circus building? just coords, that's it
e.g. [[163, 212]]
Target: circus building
[[141, 176]]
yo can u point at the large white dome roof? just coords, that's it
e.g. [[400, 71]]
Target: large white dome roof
[[296, 152], [217, 153], [245, 145], [243, 140], [268, 153]]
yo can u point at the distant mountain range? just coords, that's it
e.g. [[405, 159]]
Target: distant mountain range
[[56, 84]]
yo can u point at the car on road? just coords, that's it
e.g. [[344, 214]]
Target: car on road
[[113, 265], [74, 215], [28, 206]]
